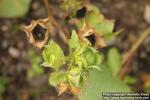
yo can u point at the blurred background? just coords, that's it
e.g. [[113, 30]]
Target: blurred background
[[22, 77]]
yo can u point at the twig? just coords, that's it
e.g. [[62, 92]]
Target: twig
[[47, 7], [62, 32], [129, 56]]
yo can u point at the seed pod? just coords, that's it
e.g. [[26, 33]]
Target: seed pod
[[38, 32], [89, 36]]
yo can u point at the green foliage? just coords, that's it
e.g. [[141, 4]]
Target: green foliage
[[56, 78], [74, 76], [83, 61], [84, 56], [35, 68], [94, 18], [74, 42], [71, 6], [114, 60], [102, 25], [3, 82], [130, 79], [100, 82], [105, 27], [80, 60], [92, 56], [13, 8], [53, 55], [93, 8]]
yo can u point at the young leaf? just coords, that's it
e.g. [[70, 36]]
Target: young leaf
[[98, 59], [114, 60], [74, 76], [56, 78], [89, 56], [74, 42], [80, 61], [92, 56], [53, 55]]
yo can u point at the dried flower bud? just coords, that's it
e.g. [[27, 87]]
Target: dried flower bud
[[63, 87], [75, 90], [38, 31]]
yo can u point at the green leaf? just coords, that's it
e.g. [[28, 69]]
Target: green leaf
[[80, 24], [94, 8], [56, 78], [129, 79], [45, 64], [74, 42], [3, 82], [78, 56], [79, 50], [112, 35], [89, 56], [80, 61], [74, 76], [98, 59], [35, 69], [53, 55], [99, 82], [92, 56], [94, 18], [94, 67], [114, 60], [106, 27], [85, 74], [14, 8]]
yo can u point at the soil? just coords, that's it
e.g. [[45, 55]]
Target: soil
[[128, 14]]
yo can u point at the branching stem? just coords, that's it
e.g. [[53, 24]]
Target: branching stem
[[129, 56], [62, 32]]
